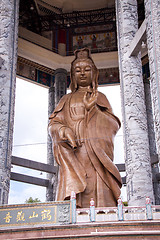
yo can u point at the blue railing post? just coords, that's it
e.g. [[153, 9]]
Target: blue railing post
[[120, 209], [92, 211], [148, 209], [73, 207]]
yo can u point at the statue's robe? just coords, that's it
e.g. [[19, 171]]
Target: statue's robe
[[89, 170]]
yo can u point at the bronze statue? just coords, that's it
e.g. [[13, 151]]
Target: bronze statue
[[82, 128]]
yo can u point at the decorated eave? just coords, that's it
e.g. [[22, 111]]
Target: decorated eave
[[39, 17]]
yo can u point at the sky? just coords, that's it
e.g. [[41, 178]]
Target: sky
[[30, 135]]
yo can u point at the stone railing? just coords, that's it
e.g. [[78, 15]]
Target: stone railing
[[59, 213], [119, 213]]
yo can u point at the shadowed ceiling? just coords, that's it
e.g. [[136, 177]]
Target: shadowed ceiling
[[46, 15]]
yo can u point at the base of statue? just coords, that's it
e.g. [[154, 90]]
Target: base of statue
[[61, 220], [97, 230]]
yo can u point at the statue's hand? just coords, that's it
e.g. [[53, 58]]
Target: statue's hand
[[90, 99], [68, 135]]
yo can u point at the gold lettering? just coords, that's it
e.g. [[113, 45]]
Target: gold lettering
[[8, 217], [20, 216], [34, 215], [46, 214]]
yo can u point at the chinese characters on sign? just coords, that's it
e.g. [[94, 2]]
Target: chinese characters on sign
[[46, 214], [39, 214], [8, 217], [20, 216], [27, 215], [34, 215]]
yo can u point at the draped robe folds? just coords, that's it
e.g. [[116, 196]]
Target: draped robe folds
[[89, 170]]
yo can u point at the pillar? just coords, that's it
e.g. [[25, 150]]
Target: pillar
[[152, 141], [152, 15], [136, 143], [60, 84], [50, 191], [62, 42], [8, 53], [55, 93], [150, 124]]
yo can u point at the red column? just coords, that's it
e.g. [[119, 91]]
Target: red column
[[62, 42]]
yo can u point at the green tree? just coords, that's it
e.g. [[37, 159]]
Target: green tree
[[125, 204], [31, 200]]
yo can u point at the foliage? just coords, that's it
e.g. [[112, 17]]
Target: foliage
[[125, 204], [31, 200]]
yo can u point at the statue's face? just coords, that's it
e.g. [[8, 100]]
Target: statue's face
[[83, 73]]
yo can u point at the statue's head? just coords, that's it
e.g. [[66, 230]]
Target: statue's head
[[83, 60]]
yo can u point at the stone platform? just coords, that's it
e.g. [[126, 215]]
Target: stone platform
[[60, 220], [110, 230]]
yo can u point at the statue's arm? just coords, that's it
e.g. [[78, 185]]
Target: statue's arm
[[58, 129], [60, 132]]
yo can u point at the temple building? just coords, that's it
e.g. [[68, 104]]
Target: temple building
[[38, 38]]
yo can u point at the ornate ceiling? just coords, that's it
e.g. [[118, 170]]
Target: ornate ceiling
[[76, 5], [45, 15]]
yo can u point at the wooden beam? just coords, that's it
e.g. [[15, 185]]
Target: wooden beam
[[135, 45], [44, 182], [22, 162], [154, 159], [42, 167], [121, 167], [28, 179], [124, 180], [158, 176], [33, 165]]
